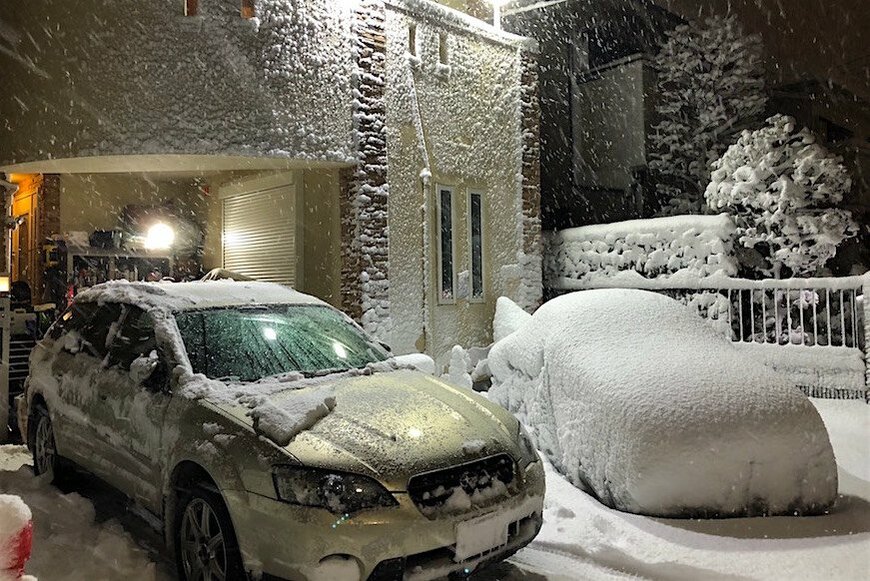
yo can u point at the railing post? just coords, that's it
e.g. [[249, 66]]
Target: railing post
[[866, 302]]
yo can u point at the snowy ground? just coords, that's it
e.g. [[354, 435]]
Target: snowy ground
[[581, 538]]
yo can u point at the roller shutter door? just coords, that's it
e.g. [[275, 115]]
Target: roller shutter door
[[259, 234]]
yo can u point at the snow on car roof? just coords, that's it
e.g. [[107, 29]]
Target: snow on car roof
[[185, 296]]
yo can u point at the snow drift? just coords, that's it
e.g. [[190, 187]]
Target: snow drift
[[636, 399]]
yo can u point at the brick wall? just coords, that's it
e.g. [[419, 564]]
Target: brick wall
[[365, 240], [530, 259]]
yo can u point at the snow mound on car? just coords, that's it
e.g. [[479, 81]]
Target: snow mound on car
[[643, 404]]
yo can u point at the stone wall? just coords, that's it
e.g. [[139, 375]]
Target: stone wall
[[531, 293], [365, 191]]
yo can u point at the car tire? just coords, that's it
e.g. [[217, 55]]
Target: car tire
[[42, 445], [205, 540]]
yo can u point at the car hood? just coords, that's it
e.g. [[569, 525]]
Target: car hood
[[393, 425]]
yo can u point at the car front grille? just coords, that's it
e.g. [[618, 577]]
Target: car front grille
[[463, 488]]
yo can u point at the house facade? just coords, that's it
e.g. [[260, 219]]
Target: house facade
[[598, 99], [382, 155]]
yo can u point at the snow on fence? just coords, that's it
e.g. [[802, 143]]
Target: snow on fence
[[814, 330], [678, 246]]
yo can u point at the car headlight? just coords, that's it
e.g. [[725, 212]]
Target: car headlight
[[340, 493], [527, 448]]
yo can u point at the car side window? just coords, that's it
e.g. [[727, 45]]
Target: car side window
[[135, 338], [73, 319], [99, 330]]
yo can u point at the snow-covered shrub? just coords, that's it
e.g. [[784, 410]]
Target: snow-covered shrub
[[690, 246], [782, 189], [710, 85], [637, 400], [459, 369]]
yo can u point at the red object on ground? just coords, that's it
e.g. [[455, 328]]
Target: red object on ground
[[21, 546]]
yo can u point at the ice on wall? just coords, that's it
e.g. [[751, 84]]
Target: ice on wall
[[693, 246], [103, 77], [635, 399]]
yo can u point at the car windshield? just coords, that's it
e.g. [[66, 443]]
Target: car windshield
[[251, 343]]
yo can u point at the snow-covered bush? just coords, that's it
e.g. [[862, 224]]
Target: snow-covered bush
[[691, 246], [782, 189], [637, 400], [710, 85], [458, 371]]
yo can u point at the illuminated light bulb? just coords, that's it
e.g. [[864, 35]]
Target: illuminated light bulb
[[160, 236]]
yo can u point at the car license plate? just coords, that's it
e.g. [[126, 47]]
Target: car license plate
[[480, 535]]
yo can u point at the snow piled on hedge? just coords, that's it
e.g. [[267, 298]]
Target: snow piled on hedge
[[634, 398], [693, 246]]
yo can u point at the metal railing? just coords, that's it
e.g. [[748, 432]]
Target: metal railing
[[815, 313], [809, 311], [828, 317]]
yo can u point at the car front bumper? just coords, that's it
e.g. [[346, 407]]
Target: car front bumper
[[297, 543]]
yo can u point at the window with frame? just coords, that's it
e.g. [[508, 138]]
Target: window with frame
[[443, 49], [446, 259], [475, 211], [191, 7], [412, 39]]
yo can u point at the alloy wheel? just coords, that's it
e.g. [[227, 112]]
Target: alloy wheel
[[203, 549], [44, 448]]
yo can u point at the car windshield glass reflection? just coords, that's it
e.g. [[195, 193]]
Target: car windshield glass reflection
[[249, 344]]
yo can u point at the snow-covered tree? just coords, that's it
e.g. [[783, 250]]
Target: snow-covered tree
[[710, 86], [782, 189]]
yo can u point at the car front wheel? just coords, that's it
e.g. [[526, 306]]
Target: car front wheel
[[205, 543], [42, 443]]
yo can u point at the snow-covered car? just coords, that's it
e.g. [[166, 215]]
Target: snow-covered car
[[273, 436], [649, 408]]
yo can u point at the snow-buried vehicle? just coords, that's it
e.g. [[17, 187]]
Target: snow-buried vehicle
[[642, 403], [273, 436]]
